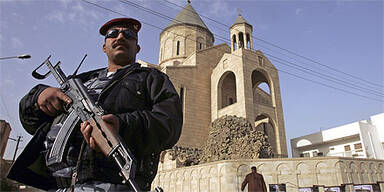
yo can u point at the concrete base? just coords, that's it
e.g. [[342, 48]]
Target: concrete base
[[295, 173]]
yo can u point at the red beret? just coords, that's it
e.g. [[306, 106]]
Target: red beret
[[131, 23]]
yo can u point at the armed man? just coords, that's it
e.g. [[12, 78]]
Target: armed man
[[140, 105]]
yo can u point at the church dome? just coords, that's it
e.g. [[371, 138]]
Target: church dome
[[188, 16], [183, 36]]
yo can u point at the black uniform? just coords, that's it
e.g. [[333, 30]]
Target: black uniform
[[149, 111]]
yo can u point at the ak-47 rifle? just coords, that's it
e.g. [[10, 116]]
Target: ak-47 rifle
[[85, 109]]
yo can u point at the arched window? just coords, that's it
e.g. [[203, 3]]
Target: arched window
[[261, 60], [178, 48], [241, 40], [227, 90], [264, 124], [248, 41], [234, 42], [200, 43], [262, 91]]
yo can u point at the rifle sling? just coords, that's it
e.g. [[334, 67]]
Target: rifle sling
[[78, 164]]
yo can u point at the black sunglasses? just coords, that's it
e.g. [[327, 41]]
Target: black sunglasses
[[128, 34]]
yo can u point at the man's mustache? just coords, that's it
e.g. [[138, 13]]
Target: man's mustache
[[119, 43]]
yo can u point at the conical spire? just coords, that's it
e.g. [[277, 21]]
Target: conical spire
[[188, 15], [240, 20]]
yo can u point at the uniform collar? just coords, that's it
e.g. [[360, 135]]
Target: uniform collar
[[103, 73], [129, 67]]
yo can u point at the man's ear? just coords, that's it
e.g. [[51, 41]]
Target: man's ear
[[104, 47], [138, 48]]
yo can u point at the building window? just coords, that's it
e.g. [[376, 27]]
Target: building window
[[306, 154], [331, 148], [234, 42], [241, 40], [314, 153], [178, 48], [201, 46], [226, 90], [248, 41], [358, 147], [347, 148], [261, 60]]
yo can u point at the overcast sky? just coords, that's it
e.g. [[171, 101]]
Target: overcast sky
[[344, 36]]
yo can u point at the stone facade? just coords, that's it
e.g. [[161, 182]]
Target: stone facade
[[295, 173], [219, 80], [250, 71]]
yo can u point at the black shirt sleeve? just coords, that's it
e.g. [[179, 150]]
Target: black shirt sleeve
[[31, 116]]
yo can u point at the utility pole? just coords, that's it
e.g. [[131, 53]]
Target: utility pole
[[17, 146]]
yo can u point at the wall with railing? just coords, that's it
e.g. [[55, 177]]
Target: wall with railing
[[295, 173]]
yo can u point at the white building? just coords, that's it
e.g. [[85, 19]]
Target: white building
[[361, 139]]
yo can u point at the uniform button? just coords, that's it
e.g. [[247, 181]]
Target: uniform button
[[151, 172], [138, 92], [151, 163]]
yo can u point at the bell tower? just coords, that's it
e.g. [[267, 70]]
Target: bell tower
[[241, 34], [246, 84]]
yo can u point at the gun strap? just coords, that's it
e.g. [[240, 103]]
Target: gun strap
[[77, 169]]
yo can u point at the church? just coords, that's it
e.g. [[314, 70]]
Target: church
[[217, 80], [214, 81]]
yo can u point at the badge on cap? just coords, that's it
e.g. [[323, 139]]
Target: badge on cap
[[136, 27]]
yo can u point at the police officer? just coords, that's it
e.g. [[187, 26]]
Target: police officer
[[141, 106]]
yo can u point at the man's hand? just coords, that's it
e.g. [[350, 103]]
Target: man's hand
[[110, 120], [49, 101]]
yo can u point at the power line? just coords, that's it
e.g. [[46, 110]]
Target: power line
[[329, 86], [369, 84], [335, 80], [291, 52], [317, 82], [242, 57], [329, 78], [137, 6], [218, 22], [13, 123], [297, 60], [101, 7]]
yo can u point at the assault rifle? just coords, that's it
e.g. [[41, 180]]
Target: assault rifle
[[85, 109]]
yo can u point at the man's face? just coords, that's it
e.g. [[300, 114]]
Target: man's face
[[121, 50]]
